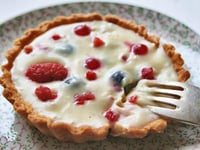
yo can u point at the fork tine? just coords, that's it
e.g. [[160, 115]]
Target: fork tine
[[187, 104], [165, 83], [177, 93], [163, 111], [165, 100]]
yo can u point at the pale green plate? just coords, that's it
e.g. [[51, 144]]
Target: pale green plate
[[15, 133]]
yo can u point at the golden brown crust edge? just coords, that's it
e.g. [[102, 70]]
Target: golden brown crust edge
[[66, 132]]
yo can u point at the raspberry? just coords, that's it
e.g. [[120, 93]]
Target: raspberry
[[46, 72], [147, 73], [92, 63], [112, 116], [80, 99], [89, 96], [124, 58], [91, 75], [133, 99], [97, 42], [44, 93], [82, 30], [28, 49], [139, 49], [56, 37]]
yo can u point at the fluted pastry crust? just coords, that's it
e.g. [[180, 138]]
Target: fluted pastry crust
[[67, 132]]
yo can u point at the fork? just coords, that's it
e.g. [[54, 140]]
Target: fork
[[175, 100]]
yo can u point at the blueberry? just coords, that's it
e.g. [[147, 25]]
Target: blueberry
[[74, 82], [65, 49], [117, 78]]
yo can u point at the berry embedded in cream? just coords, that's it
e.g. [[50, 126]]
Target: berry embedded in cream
[[83, 75], [86, 62]]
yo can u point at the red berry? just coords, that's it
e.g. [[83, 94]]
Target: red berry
[[112, 116], [82, 30], [56, 37], [89, 96], [91, 75], [45, 93], [97, 42], [133, 99], [46, 72], [80, 99], [139, 49], [124, 57], [147, 73], [92, 63], [28, 49]]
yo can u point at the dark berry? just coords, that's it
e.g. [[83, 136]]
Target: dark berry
[[74, 82], [147, 73], [112, 116], [117, 78], [65, 49], [92, 63], [139, 49], [97, 42], [82, 30], [44, 93], [46, 72]]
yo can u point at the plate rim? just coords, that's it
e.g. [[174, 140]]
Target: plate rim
[[100, 2], [123, 2]]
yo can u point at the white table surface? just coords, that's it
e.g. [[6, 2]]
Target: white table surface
[[185, 11]]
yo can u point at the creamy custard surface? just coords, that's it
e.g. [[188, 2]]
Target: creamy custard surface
[[71, 51]]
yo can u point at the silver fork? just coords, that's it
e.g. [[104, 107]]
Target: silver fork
[[181, 101]]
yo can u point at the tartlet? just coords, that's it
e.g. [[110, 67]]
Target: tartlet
[[69, 77]]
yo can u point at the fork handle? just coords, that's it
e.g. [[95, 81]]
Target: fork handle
[[192, 112], [188, 111], [187, 104]]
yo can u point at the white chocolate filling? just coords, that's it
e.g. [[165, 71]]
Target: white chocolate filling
[[63, 109]]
